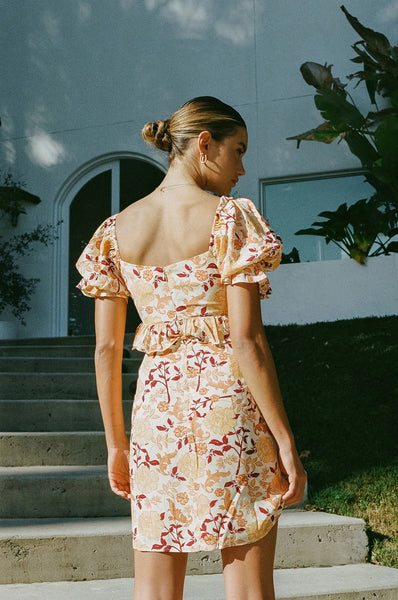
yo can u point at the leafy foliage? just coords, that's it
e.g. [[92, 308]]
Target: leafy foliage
[[356, 229], [16, 290], [13, 197], [291, 257], [372, 138]]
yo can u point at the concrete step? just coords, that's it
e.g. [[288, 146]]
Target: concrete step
[[58, 350], [350, 582], [50, 364], [24, 449], [47, 351], [76, 340], [58, 491], [54, 415], [69, 491], [76, 549], [56, 385]]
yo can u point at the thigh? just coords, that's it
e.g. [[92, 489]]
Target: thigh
[[248, 569], [159, 575]]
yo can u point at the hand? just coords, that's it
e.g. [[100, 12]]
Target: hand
[[293, 470], [119, 471]]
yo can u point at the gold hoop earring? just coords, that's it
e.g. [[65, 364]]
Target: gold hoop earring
[[203, 159]]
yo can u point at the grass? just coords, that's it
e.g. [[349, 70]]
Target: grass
[[339, 381]]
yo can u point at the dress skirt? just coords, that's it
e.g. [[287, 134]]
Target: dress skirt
[[204, 466]]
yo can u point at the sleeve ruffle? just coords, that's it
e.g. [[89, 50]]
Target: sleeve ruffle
[[245, 246], [99, 265]]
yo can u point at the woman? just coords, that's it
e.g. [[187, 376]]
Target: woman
[[211, 463]]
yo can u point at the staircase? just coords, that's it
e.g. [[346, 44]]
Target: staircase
[[64, 534]]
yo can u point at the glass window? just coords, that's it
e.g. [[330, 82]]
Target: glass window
[[293, 203]]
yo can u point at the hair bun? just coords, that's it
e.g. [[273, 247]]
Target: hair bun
[[158, 134]]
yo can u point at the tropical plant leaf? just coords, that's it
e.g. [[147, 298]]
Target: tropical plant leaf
[[375, 117], [371, 77], [365, 76], [355, 229], [310, 231], [363, 56], [291, 257], [356, 59], [336, 109], [341, 211], [393, 232], [367, 227], [323, 133], [320, 76], [362, 148], [386, 140], [394, 98], [376, 42], [392, 247], [358, 255]]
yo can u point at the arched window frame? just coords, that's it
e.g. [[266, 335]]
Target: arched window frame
[[64, 198]]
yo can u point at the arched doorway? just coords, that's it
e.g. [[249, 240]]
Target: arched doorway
[[102, 190]]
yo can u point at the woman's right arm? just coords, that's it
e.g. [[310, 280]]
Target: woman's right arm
[[110, 321], [252, 352]]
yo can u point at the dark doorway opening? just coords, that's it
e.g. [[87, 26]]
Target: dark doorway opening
[[89, 208]]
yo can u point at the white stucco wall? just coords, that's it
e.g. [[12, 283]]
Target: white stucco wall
[[332, 290], [81, 77]]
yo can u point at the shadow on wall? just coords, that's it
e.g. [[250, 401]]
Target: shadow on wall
[[232, 21], [63, 43]]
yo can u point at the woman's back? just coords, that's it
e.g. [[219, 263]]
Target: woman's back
[[166, 227]]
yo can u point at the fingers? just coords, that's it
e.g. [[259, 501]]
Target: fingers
[[296, 490], [120, 488], [119, 472], [292, 468], [121, 491], [291, 498]]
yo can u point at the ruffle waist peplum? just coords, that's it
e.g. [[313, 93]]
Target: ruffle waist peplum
[[161, 336]]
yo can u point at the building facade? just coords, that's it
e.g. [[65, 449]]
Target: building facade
[[81, 77]]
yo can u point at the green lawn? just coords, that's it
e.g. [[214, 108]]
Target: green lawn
[[339, 381]]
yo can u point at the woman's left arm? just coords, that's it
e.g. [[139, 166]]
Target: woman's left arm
[[110, 324]]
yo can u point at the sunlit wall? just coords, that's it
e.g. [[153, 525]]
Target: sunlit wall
[[79, 78]]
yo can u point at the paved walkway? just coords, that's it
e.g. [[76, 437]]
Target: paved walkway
[[348, 582]]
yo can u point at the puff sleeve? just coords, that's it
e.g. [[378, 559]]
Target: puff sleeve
[[245, 246], [99, 265]]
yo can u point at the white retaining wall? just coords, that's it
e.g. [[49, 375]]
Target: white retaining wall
[[332, 290]]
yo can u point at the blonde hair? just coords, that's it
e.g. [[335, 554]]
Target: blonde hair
[[204, 113]]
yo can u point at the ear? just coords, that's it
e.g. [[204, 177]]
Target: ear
[[204, 139]]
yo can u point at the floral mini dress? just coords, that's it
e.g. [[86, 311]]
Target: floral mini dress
[[204, 466]]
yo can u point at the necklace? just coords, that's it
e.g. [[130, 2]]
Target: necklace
[[166, 187]]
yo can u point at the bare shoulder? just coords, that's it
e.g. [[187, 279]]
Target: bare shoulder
[[139, 216], [137, 208], [154, 207]]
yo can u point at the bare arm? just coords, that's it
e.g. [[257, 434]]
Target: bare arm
[[110, 323], [255, 361]]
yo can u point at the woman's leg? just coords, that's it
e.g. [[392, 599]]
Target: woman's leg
[[159, 575], [248, 569]]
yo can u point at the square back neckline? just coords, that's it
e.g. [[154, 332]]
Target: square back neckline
[[190, 259]]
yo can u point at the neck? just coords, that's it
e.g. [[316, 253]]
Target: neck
[[180, 175]]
